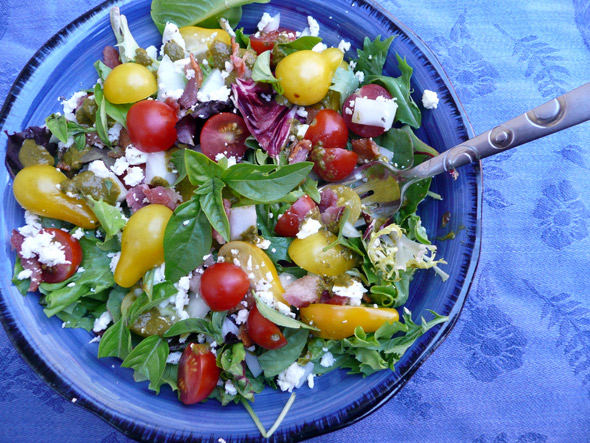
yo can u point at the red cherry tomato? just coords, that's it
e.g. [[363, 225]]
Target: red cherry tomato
[[289, 223], [263, 332], [225, 134], [223, 286], [333, 164], [368, 91], [73, 253], [266, 40], [328, 130], [151, 126], [197, 373]]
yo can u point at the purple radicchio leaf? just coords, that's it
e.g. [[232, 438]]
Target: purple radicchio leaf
[[15, 141], [267, 121]]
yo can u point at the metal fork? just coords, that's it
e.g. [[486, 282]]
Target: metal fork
[[382, 187]]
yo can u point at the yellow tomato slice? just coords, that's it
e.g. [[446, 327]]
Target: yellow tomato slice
[[336, 322], [255, 263]]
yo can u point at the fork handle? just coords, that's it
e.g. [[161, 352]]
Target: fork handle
[[569, 109]]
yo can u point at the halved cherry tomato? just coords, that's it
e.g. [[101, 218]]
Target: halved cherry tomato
[[73, 253], [333, 164], [328, 130], [266, 40], [289, 223], [223, 286], [152, 126], [197, 373], [225, 134], [370, 91], [263, 332]]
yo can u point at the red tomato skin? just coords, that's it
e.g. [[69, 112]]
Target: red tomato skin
[[370, 91], [198, 374], [333, 164], [328, 130], [266, 41], [151, 126], [223, 286], [224, 133], [289, 223], [73, 253], [263, 332]]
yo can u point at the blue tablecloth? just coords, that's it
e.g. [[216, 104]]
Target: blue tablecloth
[[516, 368]]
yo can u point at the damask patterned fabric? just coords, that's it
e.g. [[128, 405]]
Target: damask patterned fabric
[[516, 368]]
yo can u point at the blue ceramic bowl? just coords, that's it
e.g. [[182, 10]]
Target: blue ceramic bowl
[[66, 359]]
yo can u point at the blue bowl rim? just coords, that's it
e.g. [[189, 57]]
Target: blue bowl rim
[[352, 415]]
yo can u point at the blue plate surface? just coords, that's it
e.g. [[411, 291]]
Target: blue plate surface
[[66, 359]]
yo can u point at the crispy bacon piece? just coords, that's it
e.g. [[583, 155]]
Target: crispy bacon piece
[[303, 291], [142, 195], [237, 61], [197, 68], [366, 149], [300, 151], [328, 299], [329, 199]]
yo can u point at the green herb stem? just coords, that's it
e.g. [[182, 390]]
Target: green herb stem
[[281, 416], [255, 418]]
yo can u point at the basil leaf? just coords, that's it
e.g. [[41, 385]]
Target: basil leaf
[[400, 143], [148, 360], [96, 278], [265, 183], [400, 89], [21, 285], [115, 301], [101, 123], [211, 201], [242, 39], [232, 358], [345, 83], [371, 58], [302, 43], [279, 319], [187, 239], [58, 125], [212, 327], [191, 13], [310, 187], [276, 361], [232, 15], [102, 70], [261, 72], [110, 217], [117, 112], [116, 341], [200, 168], [177, 159]]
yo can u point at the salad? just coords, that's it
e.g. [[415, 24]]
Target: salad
[[187, 208]]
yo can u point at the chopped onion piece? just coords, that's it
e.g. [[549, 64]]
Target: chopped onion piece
[[241, 219], [156, 165]]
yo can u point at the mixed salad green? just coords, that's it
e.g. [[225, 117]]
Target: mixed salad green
[[186, 208]]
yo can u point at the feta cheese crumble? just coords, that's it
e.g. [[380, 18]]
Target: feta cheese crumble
[[102, 322], [354, 292], [290, 377], [41, 245], [327, 360], [430, 99], [134, 156], [173, 358], [71, 104], [134, 176], [308, 227], [229, 387], [344, 46], [114, 256], [314, 27]]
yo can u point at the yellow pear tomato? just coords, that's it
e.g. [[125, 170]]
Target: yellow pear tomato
[[336, 322], [142, 244], [36, 188], [306, 75], [129, 83]]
